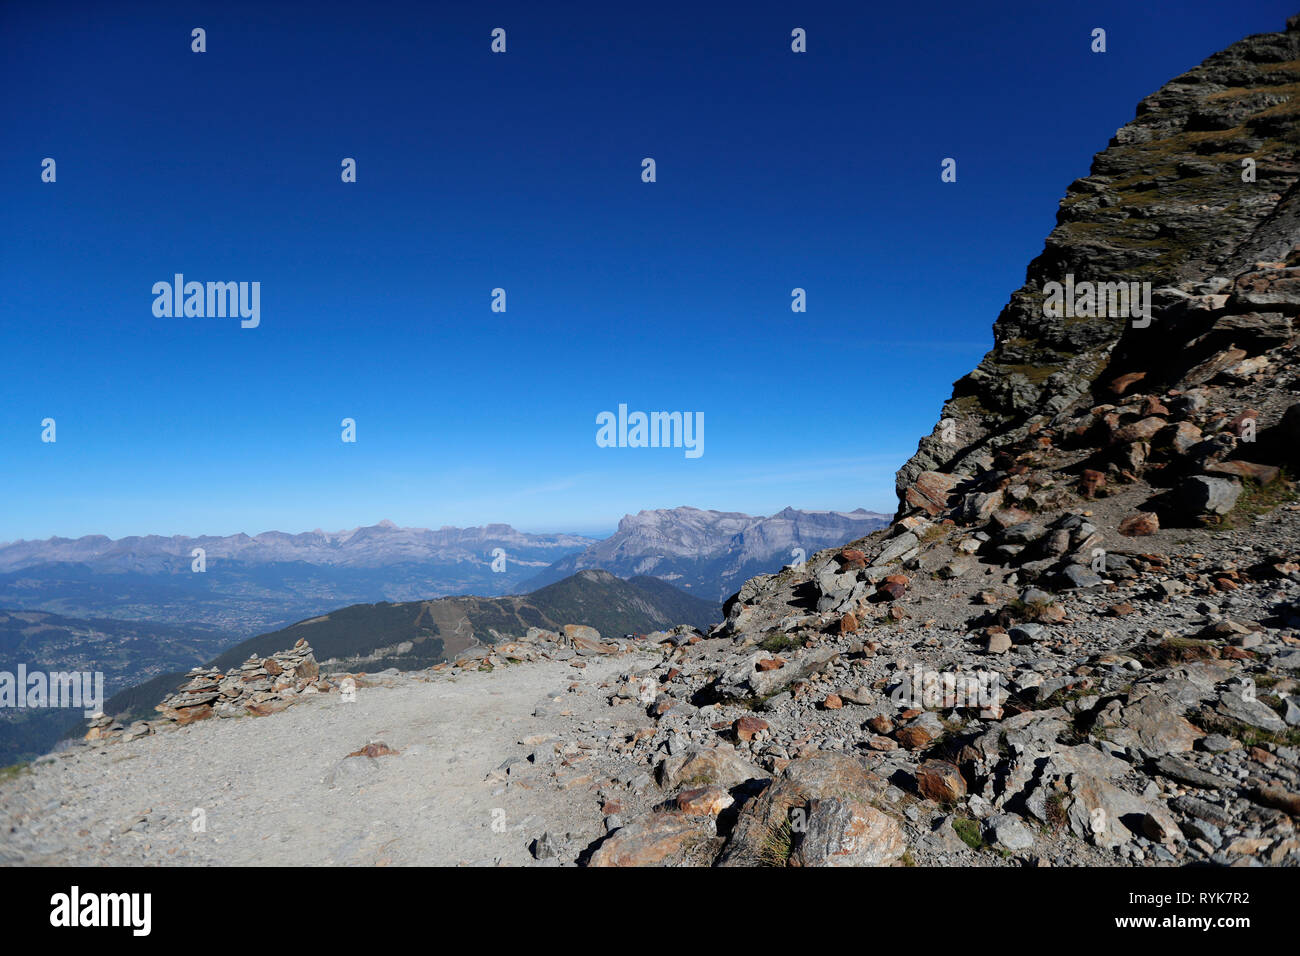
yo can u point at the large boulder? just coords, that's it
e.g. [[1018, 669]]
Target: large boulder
[[763, 673], [827, 809], [931, 492], [1205, 495], [586, 640], [715, 766], [658, 839]]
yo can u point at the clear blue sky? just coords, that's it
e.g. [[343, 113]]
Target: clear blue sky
[[522, 171]]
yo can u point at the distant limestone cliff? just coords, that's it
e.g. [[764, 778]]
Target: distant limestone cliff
[[711, 553]]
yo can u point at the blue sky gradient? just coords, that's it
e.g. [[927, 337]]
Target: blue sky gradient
[[522, 171]]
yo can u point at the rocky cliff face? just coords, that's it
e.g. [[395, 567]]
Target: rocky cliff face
[[1166, 203]]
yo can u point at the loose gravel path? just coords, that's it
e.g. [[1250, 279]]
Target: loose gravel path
[[278, 789]]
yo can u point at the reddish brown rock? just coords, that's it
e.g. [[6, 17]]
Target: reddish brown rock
[[832, 702], [1152, 406], [747, 728], [1122, 384], [1238, 425], [940, 781], [1139, 525], [931, 492], [657, 839], [913, 738], [1091, 482], [1264, 474], [704, 801], [376, 748], [1143, 430], [1006, 517], [892, 588], [1278, 799], [770, 664], [189, 715], [852, 558], [881, 724], [1051, 614], [848, 623]]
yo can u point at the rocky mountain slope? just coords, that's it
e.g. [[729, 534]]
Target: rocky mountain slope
[[711, 553], [415, 634]]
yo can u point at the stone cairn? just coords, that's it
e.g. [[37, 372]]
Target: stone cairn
[[260, 687]]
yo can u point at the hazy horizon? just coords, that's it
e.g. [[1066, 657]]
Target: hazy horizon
[[597, 531]]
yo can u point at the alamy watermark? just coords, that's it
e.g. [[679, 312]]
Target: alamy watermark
[[212, 300], [945, 689], [53, 689], [129, 910], [651, 430], [1089, 300]]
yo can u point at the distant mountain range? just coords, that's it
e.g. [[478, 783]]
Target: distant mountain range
[[253, 584], [711, 553]]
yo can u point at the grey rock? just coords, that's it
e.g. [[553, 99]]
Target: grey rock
[[1184, 772], [1027, 633], [1007, 830], [1079, 576], [1206, 495], [1249, 711], [896, 548]]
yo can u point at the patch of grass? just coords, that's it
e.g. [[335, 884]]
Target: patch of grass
[[967, 405], [14, 771], [969, 831], [779, 641], [1034, 374], [1177, 650], [701, 779], [1248, 735], [936, 531], [1257, 499], [1034, 611], [1055, 805], [1062, 697], [907, 859], [777, 845]]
